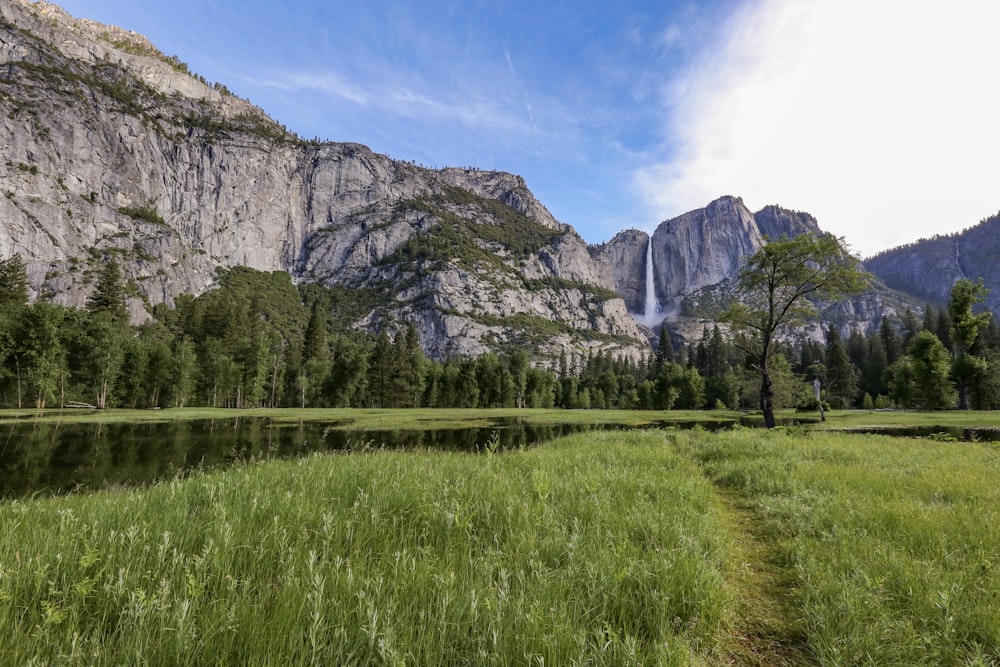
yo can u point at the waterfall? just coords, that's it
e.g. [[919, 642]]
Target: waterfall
[[652, 307]]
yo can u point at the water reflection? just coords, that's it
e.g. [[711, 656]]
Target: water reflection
[[45, 458], [983, 434]]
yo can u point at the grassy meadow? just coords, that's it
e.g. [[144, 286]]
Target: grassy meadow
[[655, 547], [380, 419]]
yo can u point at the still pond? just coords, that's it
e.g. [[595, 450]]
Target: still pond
[[50, 458]]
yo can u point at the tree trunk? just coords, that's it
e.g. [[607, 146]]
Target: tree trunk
[[766, 394], [17, 362], [963, 395]]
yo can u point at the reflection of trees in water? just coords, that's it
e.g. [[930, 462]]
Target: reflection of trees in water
[[46, 457]]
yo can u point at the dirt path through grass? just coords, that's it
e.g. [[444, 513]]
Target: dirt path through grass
[[764, 635]]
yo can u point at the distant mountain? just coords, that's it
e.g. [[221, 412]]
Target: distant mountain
[[927, 269], [111, 149], [696, 256]]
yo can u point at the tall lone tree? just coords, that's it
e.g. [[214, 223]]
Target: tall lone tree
[[777, 289]]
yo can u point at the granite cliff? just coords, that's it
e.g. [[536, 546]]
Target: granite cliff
[[696, 256], [928, 268], [111, 149]]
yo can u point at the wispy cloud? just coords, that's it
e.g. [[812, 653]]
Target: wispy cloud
[[327, 82], [398, 95], [877, 117]]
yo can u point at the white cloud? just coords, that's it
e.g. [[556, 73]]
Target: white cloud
[[399, 95], [327, 82], [877, 117]]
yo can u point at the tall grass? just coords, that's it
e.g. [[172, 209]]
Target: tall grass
[[890, 546], [596, 549]]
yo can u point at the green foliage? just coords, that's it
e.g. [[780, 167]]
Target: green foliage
[[965, 330], [143, 213], [41, 337], [458, 237], [396, 370], [556, 284], [788, 389], [102, 353], [841, 373], [580, 551], [931, 366], [13, 283], [213, 127], [108, 297], [258, 340], [778, 287]]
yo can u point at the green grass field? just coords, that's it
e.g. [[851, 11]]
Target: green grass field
[[377, 419], [662, 547], [428, 418]]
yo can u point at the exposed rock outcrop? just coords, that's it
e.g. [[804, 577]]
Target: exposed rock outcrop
[[113, 150], [929, 268], [696, 257], [622, 266], [775, 222], [702, 247]]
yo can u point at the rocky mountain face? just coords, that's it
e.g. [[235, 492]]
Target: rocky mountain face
[[702, 248], [622, 264], [696, 250], [927, 269], [697, 255], [111, 150]]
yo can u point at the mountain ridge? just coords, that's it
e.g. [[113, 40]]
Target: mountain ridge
[[927, 268], [114, 150], [112, 153]]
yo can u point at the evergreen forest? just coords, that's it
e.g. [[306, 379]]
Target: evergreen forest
[[258, 340]]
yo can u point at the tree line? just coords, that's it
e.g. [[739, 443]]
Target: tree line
[[258, 340]]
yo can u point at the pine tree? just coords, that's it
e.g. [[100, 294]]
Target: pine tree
[[108, 297], [930, 319], [183, 370], [519, 364], [665, 348], [931, 367], [874, 371], [841, 373], [409, 361], [891, 342], [314, 344], [943, 328], [380, 371], [13, 284], [966, 327]]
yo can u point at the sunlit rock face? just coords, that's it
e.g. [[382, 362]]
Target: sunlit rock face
[[622, 264], [696, 256], [111, 149], [114, 150], [775, 222], [703, 247]]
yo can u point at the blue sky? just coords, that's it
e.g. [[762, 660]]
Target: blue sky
[[877, 116]]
